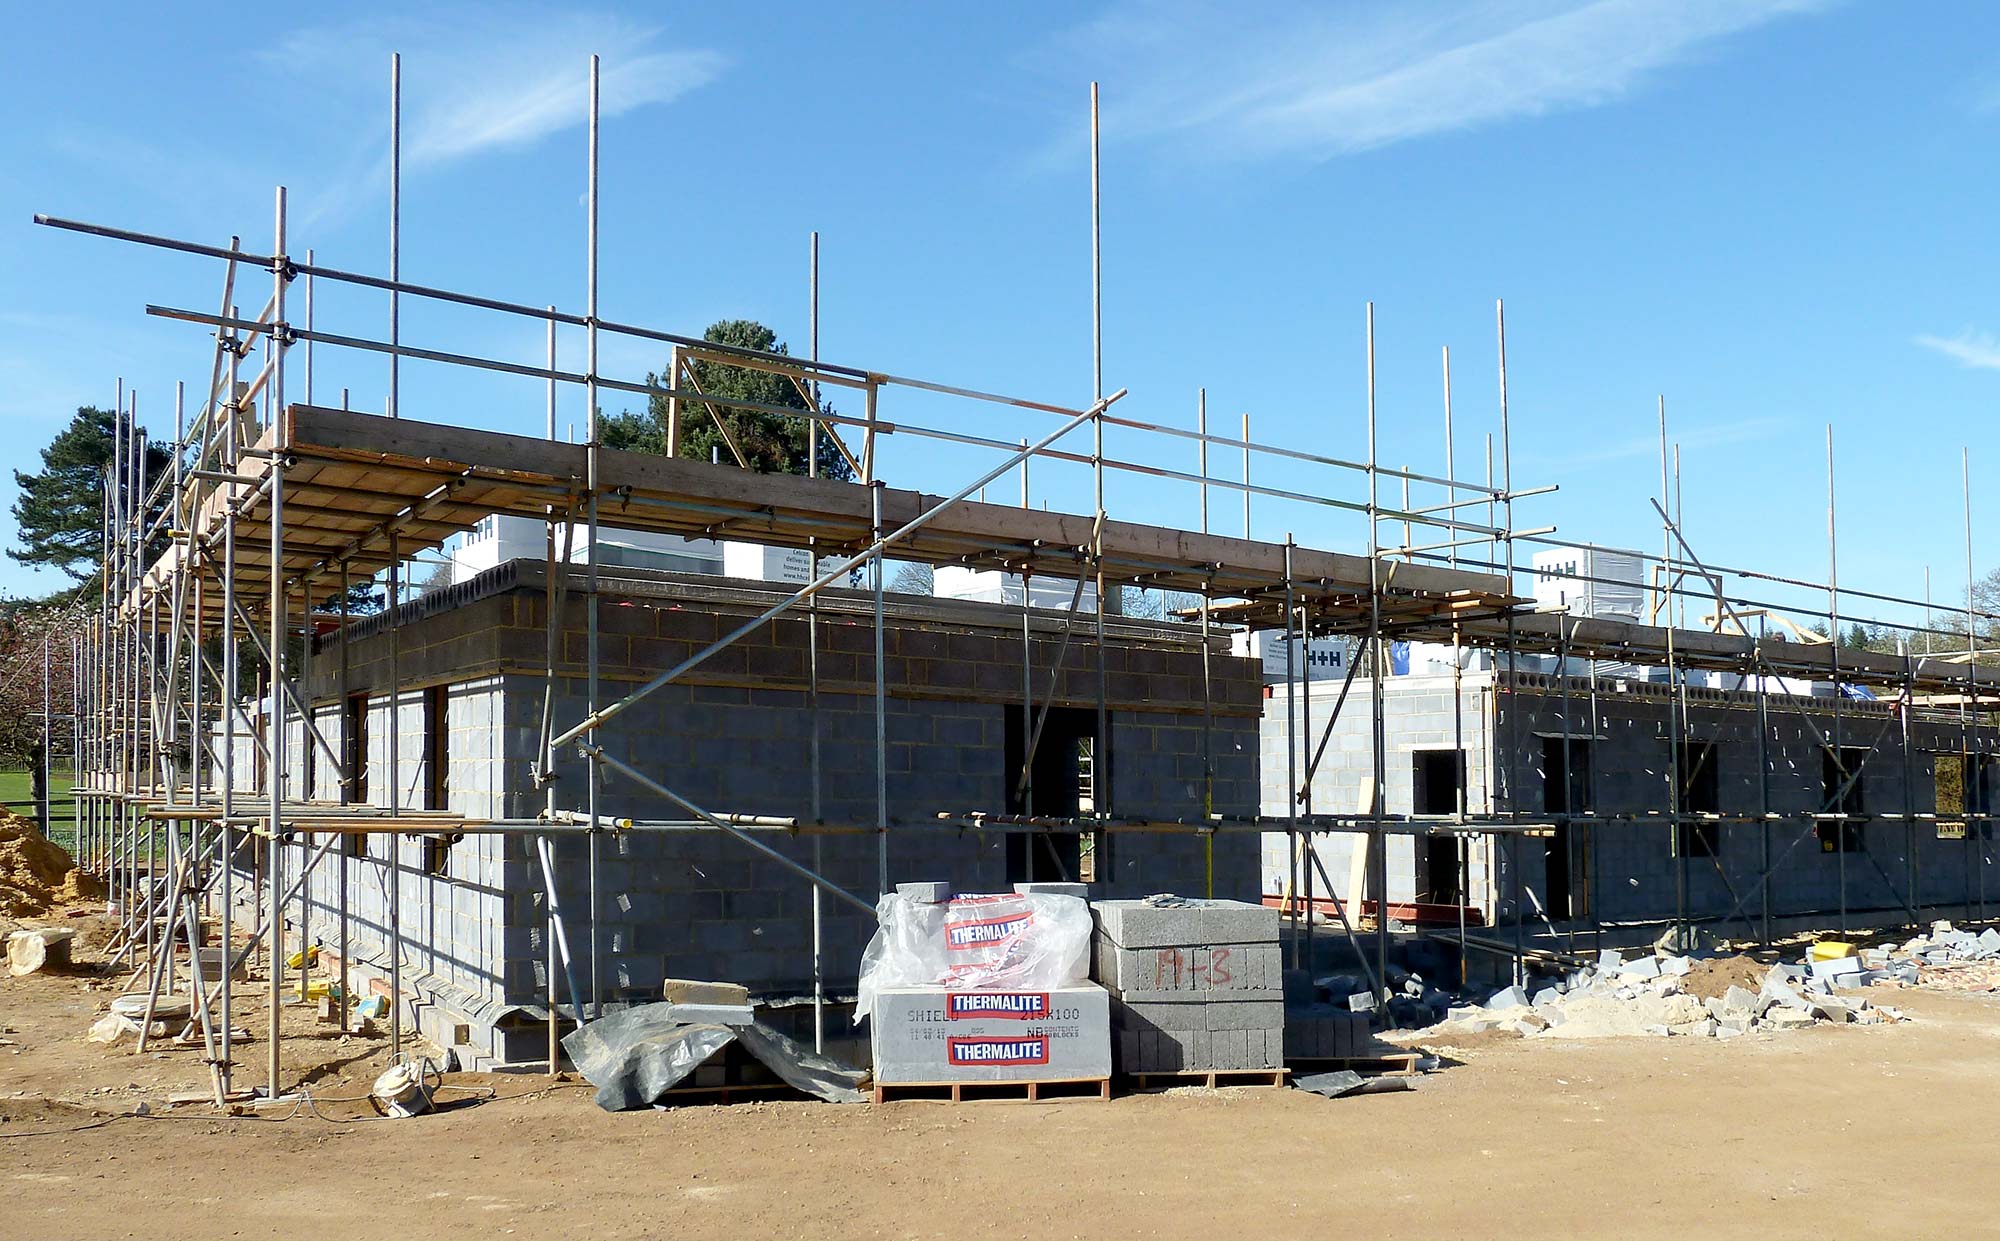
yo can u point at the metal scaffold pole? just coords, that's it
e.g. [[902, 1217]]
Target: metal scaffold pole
[[273, 709], [1378, 783], [1842, 824], [815, 772], [593, 764]]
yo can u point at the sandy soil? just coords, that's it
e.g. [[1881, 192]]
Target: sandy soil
[[1834, 1131]]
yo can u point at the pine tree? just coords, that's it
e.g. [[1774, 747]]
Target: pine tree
[[60, 511], [770, 443]]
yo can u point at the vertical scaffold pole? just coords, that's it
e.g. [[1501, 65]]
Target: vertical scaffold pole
[[881, 701], [1207, 672], [1840, 831], [1291, 762], [594, 768], [350, 776], [1100, 752], [1378, 782], [395, 783], [1513, 650], [275, 732], [1972, 692], [813, 759], [1676, 706], [395, 228], [226, 701], [1246, 476]]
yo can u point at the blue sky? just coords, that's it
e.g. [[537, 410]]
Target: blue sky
[[1773, 212]]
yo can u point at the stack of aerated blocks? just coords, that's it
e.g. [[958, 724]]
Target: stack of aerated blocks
[[1195, 985]]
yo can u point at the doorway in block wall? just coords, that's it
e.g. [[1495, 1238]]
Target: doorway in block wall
[[1058, 785], [1565, 790], [1437, 784]]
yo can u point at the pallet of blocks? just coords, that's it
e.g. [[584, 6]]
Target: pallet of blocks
[[936, 1042], [1196, 986]]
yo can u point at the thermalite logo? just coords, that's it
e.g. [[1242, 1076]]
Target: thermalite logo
[[961, 936], [1011, 1005], [996, 1051]]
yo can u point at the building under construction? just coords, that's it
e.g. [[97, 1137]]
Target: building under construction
[[543, 790]]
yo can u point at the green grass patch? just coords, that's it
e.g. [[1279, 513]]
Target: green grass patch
[[17, 790]]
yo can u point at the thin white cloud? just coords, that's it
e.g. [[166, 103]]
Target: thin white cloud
[[479, 116], [478, 80], [1719, 435], [1255, 82], [1974, 349]]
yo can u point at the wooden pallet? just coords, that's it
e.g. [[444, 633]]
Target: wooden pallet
[[1211, 1078], [1048, 1091], [1392, 1064]]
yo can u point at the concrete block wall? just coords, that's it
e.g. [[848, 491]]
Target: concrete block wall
[[453, 899], [1417, 716], [1635, 866], [1630, 870], [701, 904], [1157, 763], [734, 737]]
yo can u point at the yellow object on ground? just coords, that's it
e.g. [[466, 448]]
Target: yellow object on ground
[[298, 959], [1831, 950]]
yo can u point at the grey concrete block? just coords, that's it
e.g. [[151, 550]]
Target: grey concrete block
[[1836, 968], [1194, 968], [1263, 995], [1775, 994], [1161, 1014], [1238, 922], [1136, 924], [712, 1014], [1737, 1001], [1256, 1015], [1079, 890]]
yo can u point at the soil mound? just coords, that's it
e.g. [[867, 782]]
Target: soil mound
[[1708, 980], [36, 874]]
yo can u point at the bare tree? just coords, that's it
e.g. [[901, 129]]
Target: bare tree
[[913, 579]]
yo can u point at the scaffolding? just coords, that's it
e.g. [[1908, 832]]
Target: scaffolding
[[276, 505]]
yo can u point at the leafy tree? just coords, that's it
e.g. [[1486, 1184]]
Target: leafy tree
[[771, 443], [60, 510]]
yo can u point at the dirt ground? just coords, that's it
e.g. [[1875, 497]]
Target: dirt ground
[[1829, 1132]]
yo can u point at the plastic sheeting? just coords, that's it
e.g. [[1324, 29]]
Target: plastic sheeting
[[636, 1056], [1008, 942]]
